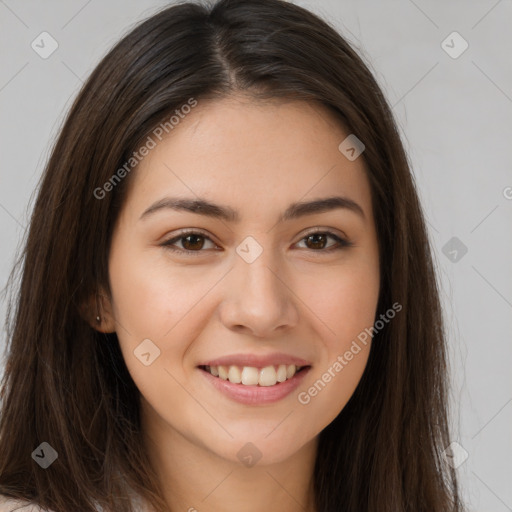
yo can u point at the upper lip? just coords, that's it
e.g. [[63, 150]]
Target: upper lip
[[256, 361]]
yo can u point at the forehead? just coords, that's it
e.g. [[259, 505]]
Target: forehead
[[252, 155]]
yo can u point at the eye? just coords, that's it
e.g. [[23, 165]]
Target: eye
[[194, 241], [317, 241]]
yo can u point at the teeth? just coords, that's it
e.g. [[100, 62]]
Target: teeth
[[251, 376], [223, 372], [268, 376], [234, 374], [282, 373]]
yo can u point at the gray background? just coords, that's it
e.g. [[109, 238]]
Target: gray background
[[455, 115]]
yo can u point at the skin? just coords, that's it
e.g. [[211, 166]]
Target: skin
[[257, 158]]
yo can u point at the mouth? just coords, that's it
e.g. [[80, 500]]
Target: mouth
[[267, 376], [254, 385]]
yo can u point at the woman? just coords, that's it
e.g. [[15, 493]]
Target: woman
[[227, 297]]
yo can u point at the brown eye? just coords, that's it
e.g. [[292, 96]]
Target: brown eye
[[317, 241], [192, 242]]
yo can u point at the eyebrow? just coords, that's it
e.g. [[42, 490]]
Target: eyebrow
[[294, 211]]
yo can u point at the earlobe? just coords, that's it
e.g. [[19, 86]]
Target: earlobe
[[98, 313], [104, 324]]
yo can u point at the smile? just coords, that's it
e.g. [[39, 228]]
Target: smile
[[252, 385], [252, 376]]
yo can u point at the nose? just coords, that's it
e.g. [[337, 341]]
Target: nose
[[259, 299]]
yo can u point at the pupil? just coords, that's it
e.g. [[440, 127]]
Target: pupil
[[316, 242], [192, 237]]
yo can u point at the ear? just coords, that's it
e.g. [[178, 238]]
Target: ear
[[97, 312]]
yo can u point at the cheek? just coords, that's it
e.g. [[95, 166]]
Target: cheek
[[149, 297], [332, 386], [347, 306], [154, 301], [347, 303]]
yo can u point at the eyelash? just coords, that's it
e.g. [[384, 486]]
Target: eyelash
[[342, 243]]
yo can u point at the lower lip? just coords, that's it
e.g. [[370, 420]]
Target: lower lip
[[256, 395]]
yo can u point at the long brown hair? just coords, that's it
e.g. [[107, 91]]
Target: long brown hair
[[67, 384]]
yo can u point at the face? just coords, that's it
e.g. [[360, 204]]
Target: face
[[255, 289]]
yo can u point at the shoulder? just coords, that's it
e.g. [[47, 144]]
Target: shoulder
[[14, 505]]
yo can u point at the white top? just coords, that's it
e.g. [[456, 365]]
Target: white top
[[16, 505], [11, 505]]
